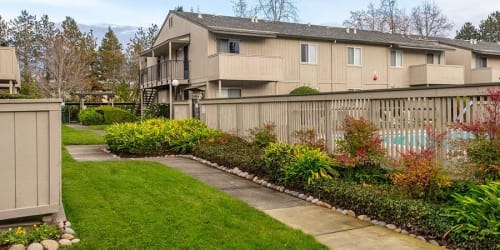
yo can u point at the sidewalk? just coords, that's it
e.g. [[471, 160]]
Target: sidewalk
[[335, 230]]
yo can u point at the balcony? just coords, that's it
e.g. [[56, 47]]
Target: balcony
[[161, 74], [239, 67], [435, 74], [485, 75]]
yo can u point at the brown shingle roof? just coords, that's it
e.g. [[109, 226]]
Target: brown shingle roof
[[478, 47], [244, 26]]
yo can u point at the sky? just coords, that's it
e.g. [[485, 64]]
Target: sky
[[134, 13]]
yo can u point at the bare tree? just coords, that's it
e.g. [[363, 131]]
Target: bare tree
[[240, 8], [278, 10], [385, 17], [428, 20]]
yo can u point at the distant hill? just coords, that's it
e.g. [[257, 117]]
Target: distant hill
[[124, 33]]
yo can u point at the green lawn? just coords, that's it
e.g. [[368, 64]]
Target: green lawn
[[72, 136], [146, 205]]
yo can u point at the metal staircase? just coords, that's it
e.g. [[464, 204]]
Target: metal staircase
[[148, 96]]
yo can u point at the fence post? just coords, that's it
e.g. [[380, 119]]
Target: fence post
[[328, 141]]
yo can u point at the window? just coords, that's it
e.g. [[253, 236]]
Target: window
[[228, 46], [230, 93], [308, 53], [433, 58], [397, 58], [481, 62], [354, 56]]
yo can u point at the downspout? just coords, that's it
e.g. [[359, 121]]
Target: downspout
[[387, 55]]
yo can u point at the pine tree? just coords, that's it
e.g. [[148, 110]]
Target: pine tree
[[3, 32], [23, 35], [467, 32], [490, 28], [110, 59], [142, 40]]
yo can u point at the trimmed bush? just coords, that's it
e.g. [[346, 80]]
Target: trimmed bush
[[304, 90], [231, 151], [156, 136], [90, 116], [115, 115], [263, 136], [13, 96]]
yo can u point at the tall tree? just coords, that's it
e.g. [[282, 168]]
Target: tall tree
[[179, 8], [428, 20], [467, 32], [111, 59], [240, 8], [384, 17], [278, 10], [490, 27], [23, 34], [142, 40], [67, 61], [3, 32]]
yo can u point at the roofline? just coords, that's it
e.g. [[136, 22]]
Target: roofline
[[479, 51]]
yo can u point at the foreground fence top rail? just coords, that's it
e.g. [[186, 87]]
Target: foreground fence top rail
[[401, 115]]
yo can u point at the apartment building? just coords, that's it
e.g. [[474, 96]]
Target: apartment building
[[212, 56]]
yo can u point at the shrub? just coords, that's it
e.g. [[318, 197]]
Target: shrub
[[115, 115], [483, 151], [476, 217], [304, 90], [296, 165], [13, 96], [361, 144], [422, 176], [308, 137], [158, 110], [231, 151], [90, 116], [377, 201], [30, 90], [156, 136], [263, 136]]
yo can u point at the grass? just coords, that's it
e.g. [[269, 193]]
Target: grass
[[71, 136], [146, 205], [100, 127]]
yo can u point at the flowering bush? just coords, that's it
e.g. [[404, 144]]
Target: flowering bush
[[361, 144], [308, 137], [483, 151], [25, 236], [421, 175]]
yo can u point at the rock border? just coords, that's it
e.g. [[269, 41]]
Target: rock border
[[66, 239], [314, 200]]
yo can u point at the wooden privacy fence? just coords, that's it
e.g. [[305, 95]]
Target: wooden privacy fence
[[30, 158], [401, 115]]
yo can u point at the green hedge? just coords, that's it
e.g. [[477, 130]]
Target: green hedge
[[231, 151], [156, 136], [90, 116], [304, 90], [105, 115], [13, 96]]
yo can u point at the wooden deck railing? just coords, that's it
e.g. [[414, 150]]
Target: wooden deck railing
[[400, 114]]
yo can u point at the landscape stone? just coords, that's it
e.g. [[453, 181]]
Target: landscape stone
[[74, 241], [421, 238], [404, 231], [255, 178], [301, 196], [35, 246], [17, 247], [314, 201], [434, 242], [50, 244], [381, 223], [398, 230], [412, 235], [351, 213], [282, 189], [64, 242], [68, 230], [310, 198], [67, 236], [391, 226], [61, 224]]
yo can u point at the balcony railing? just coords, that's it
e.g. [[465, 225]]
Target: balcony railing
[[162, 73], [485, 75], [429, 74]]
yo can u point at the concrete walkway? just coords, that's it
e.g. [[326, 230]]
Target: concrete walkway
[[333, 229], [78, 126]]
